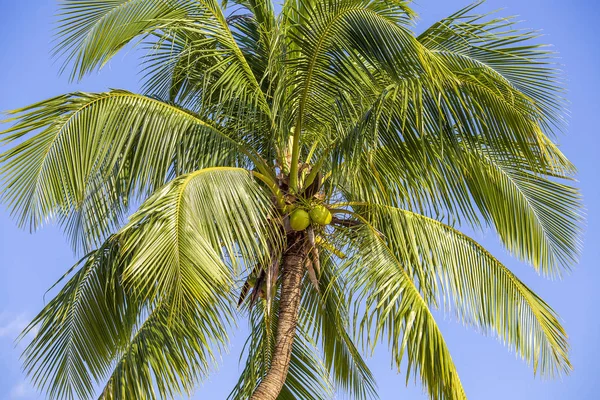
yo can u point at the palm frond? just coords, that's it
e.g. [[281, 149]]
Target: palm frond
[[393, 309], [188, 63], [248, 114], [186, 237], [307, 377], [166, 356], [94, 152], [473, 90], [325, 315], [81, 328], [372, 28], [95, 324], [482, 291], [158, 292], [478, 42], [90, 33], [537, 215], [543, 222]]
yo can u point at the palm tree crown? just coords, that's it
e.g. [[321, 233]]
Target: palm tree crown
[[306, 169]]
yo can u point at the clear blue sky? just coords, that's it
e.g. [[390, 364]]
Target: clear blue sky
[[29, 264]]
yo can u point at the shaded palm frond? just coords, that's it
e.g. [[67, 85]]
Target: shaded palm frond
[[166, 356], [372, 28], [81, 328], [326, 317], [307, 377]]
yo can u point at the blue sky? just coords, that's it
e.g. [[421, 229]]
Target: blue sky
[[29, 264]]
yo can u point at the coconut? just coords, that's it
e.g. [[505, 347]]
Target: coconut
[[320, 215], [299, 219]]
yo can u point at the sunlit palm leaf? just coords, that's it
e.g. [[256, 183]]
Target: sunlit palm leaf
[[473, 101], [474, 284], [537, 215], [185, 236], [477, 42], [90, 33], [395, 310], [94, 152], [543, 223], [172, 263]]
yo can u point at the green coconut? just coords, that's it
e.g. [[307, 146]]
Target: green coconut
[[299, 219], [320, 215]]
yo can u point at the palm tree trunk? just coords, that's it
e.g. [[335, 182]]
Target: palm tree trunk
[[289, 304]]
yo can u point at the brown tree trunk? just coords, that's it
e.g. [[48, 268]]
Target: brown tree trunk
[[289, 304]]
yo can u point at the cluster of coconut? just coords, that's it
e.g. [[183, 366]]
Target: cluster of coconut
[[300, 219]]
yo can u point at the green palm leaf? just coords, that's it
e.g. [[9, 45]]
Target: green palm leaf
[[177, 240], [476, 42], [548, 233], [395, 309], [308, 377], [81, 328], [481, 291], [537, 215], [163, 264], [167, 355], [95, 151], [327, 316], [90, 33]]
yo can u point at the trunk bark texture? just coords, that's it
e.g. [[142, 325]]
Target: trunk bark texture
[[289, 305]]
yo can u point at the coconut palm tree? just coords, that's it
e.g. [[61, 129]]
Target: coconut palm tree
[[305, 167]]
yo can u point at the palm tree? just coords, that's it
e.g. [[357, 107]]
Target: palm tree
[[306, 168]]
